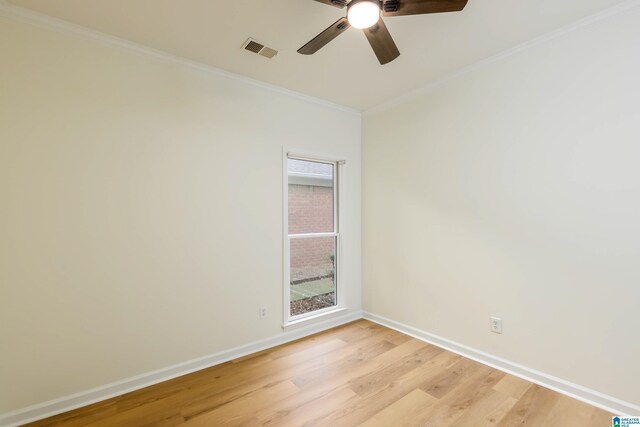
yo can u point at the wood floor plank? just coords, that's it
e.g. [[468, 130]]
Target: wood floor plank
[[402, 411], [532, 408], [79, 418], [450, 377], [311, 369], [465, 395], [248, 380], [171, 421], [446, 359], [377, 379], [241, 411], [512, 386], [345, 365], [350, 364], [357, 374], [488, 411], [362, 331], [573, 413], [354, 414], [306, 408]]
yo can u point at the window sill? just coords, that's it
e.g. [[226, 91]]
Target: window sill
[[316, 318]]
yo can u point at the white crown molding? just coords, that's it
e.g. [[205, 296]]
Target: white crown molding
[[545, 38], [97, 394], [584, 394], [12, 11]]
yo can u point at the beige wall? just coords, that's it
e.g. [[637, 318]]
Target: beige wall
[[134, 191], [514, 190]]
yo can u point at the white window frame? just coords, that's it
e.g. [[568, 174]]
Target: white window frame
[[338, 231]]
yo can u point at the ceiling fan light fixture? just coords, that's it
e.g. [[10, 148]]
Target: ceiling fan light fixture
[[364, 13]]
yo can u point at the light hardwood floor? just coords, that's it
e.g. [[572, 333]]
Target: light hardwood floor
[[357, 374]]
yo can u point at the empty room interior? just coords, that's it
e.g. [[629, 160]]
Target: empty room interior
[[320, 213]]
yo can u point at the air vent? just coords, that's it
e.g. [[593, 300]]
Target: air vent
[[267, 52], [257, 47], [254, 47], [391, 5]]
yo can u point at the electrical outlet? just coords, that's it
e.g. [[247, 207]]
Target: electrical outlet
[[495, 325], [263, 312]]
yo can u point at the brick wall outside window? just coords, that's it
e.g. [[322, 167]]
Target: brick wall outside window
[[311, 211]]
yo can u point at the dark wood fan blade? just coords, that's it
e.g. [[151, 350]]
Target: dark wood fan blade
[[419, 7], [336, 3], [381, 42], [338, 27]]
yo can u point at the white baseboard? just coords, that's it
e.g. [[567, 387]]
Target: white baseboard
[[87, 397], [584, 394]]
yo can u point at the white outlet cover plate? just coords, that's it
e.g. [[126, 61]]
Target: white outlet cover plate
[[495, 325]]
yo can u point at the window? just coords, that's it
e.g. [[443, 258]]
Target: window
[[312, 237]]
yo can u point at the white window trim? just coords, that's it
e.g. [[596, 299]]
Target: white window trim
[[339, 200]]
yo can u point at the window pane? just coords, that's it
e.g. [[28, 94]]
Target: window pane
[[313, 277], [310, 196]]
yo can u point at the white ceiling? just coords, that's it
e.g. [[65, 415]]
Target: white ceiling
[[345, 71]]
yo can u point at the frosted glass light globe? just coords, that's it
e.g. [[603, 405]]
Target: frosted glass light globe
[[363, 14]]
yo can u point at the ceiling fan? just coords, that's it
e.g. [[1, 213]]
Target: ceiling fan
[[367, 16]]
